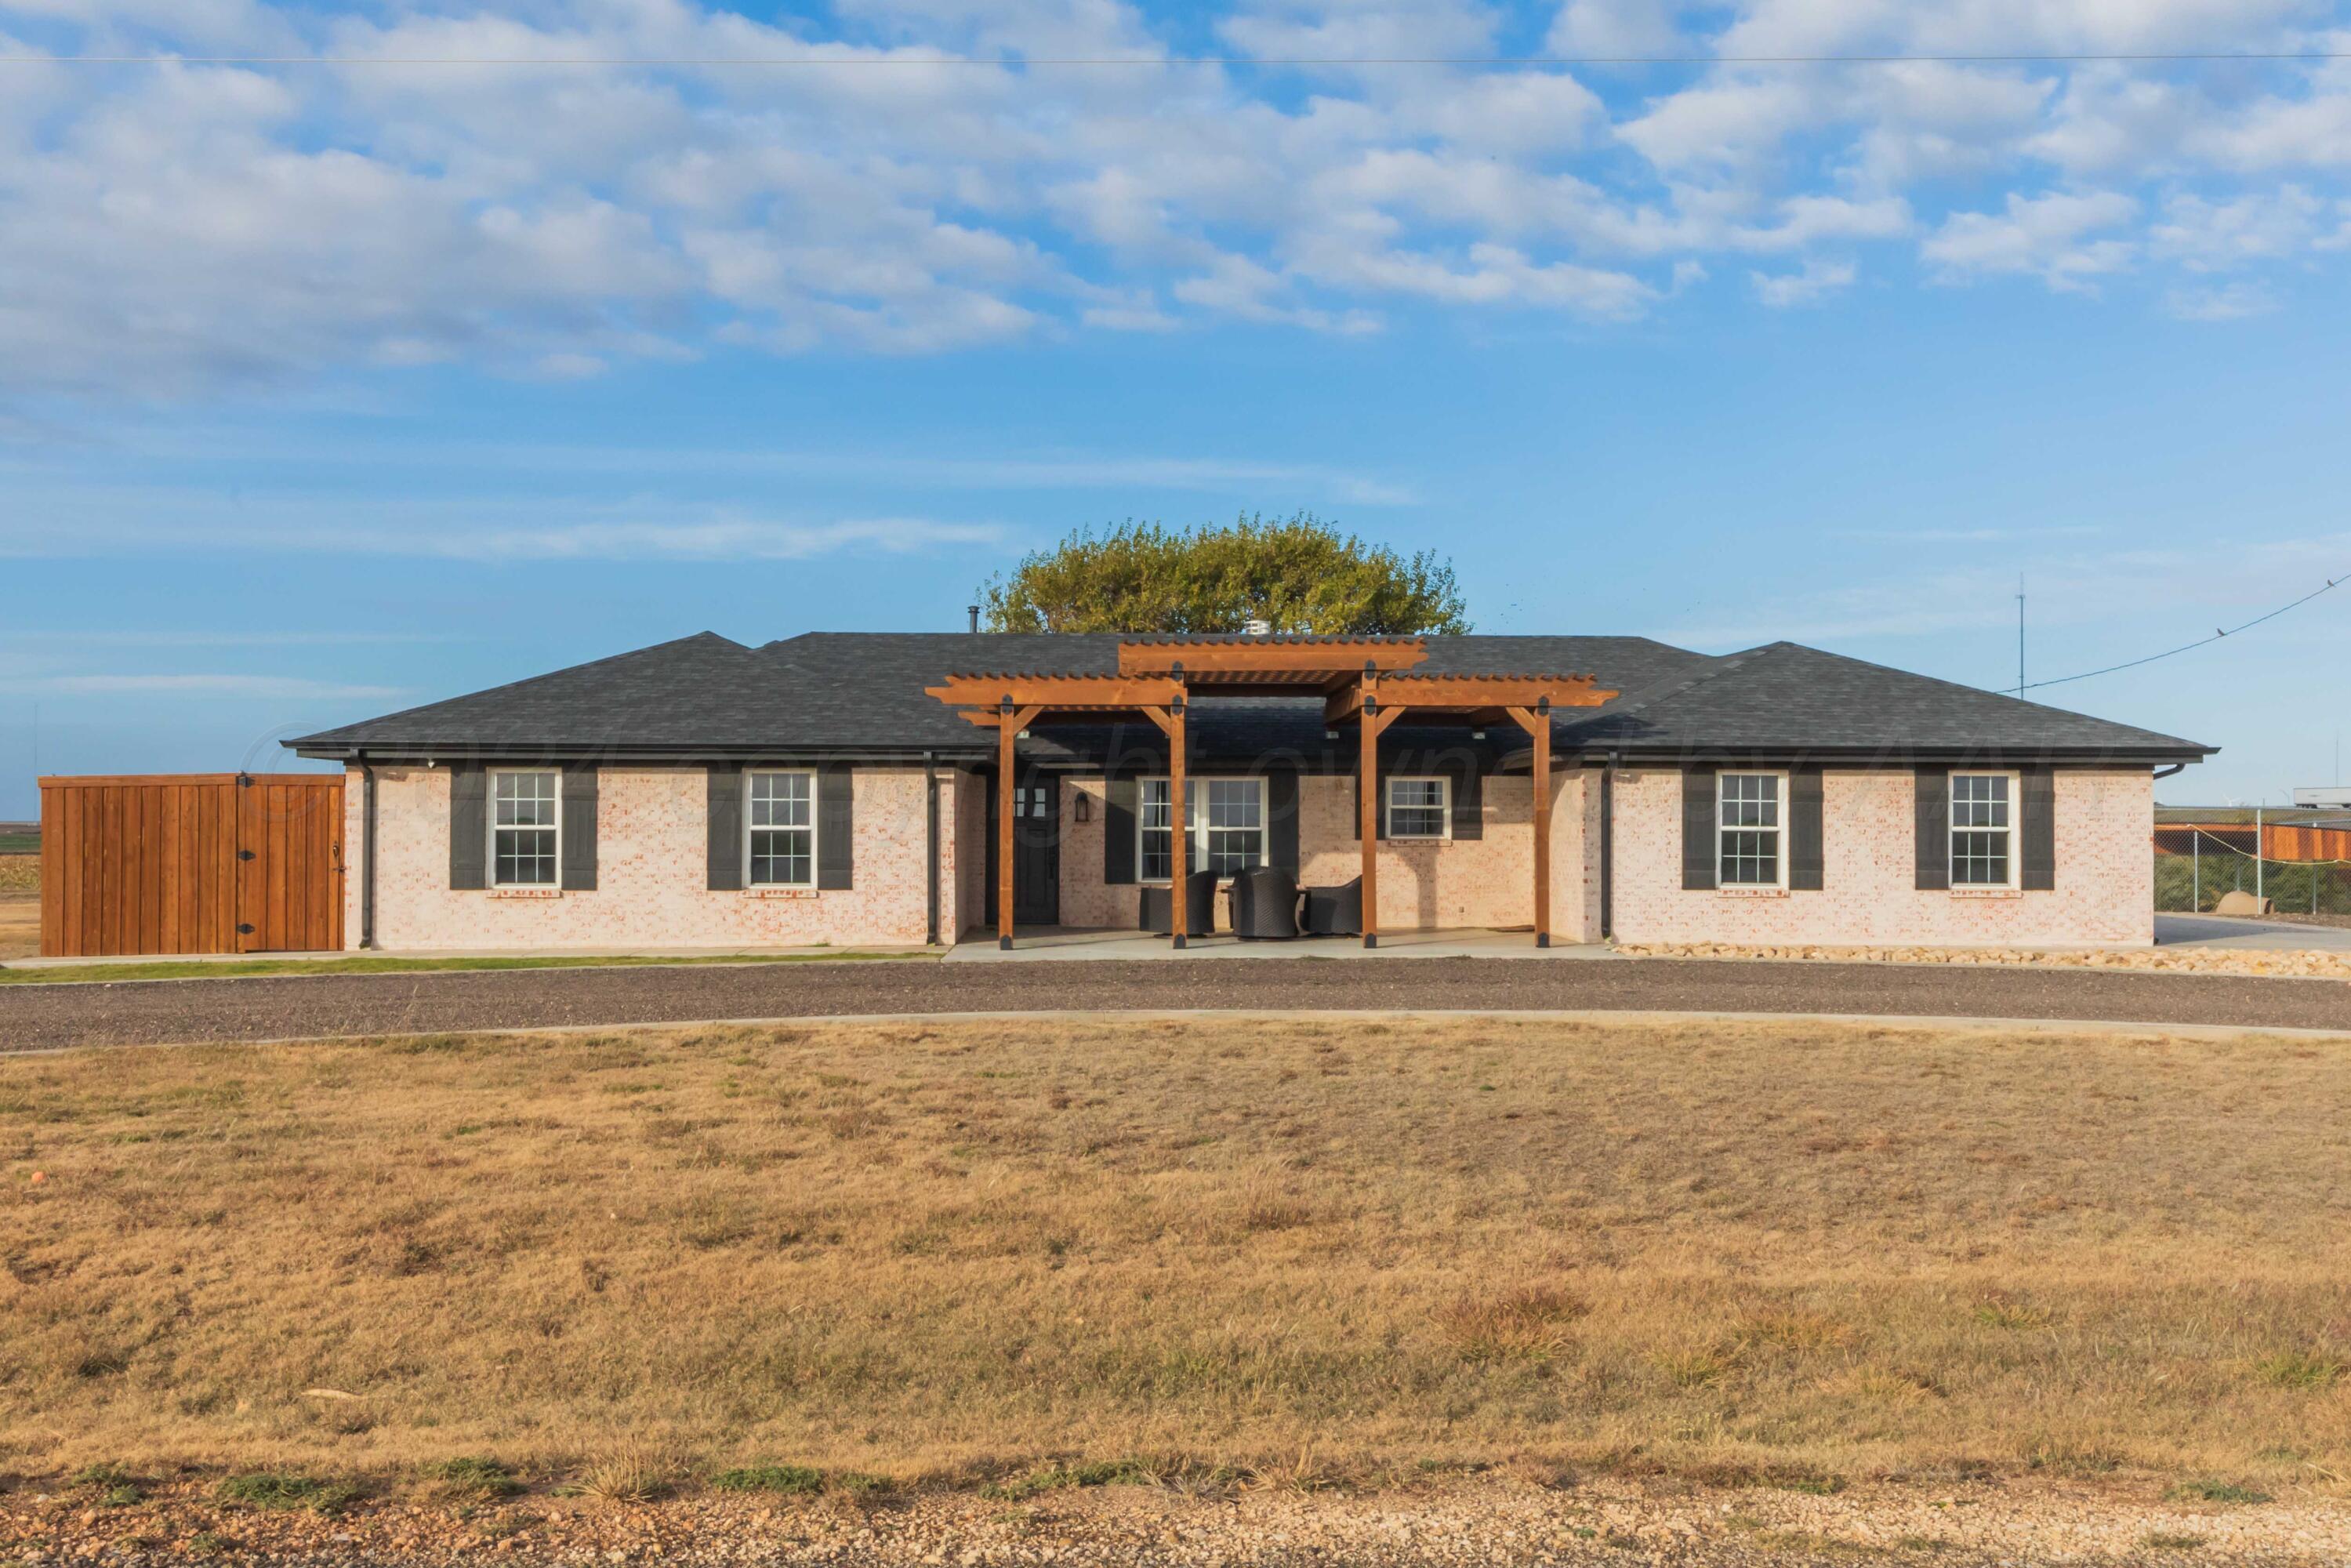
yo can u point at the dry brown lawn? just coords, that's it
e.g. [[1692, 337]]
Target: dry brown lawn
[[20, 905], [1796, 1251]]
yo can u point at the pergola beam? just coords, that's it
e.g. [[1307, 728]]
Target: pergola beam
[[1271, 658]]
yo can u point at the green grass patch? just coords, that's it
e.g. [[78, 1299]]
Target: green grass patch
[[2300, 1369], [2214, 1492], [1061, 1477], [229, 970], [115, 1487], [796, 1481], [275, 1489], [20, 843], [473, 1478]]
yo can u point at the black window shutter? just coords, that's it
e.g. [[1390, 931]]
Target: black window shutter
[[2038, 869], [725, 820], [1118, 832], [1934, 827], [1806, 870], [580, 829], [469, 826], [836, 825], [1468, 787], [1697, 826], [1281, 821]]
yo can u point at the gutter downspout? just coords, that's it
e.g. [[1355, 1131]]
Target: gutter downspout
[[930, 847], [367, 853], [1608, 847]]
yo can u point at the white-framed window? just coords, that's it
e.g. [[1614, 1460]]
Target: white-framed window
[[779, 828], [526, 827], [1420, 808], [1750, 816], [1983, 830], [1225, 817]]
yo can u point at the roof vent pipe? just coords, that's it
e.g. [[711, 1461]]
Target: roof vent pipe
[[1259, 628], [973, 610]]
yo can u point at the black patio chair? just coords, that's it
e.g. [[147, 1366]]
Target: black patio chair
[[1159, 911], [1335, 911], [1265, 905]]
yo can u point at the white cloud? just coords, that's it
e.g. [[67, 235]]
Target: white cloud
[[2047, 236], [1809, 287], [174, 228], [2226, 302], [2206, 236]]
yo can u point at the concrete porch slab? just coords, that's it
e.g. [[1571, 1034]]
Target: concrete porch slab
[[1054, 944]]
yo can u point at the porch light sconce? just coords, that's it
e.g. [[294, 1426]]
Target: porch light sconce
[[1084, 809], [1330, 734], [1477, 735]]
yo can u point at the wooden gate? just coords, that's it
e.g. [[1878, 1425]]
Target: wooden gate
[[195, 862]]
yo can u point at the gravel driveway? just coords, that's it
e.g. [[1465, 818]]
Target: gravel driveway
[[177, 1011]]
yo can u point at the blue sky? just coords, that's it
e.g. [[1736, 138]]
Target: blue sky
[[333, 387]]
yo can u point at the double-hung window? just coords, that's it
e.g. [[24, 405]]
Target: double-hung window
[[1750, 810], [781, 819], [1983, 817], [1224, 817], [1420, 808], [524, 823]]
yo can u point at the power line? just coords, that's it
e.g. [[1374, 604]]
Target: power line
[[2332, 583], [1494, 62]]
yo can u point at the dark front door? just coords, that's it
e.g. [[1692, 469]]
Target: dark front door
[[1036, 851]]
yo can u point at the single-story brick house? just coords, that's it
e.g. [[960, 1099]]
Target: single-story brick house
[[843, 789]]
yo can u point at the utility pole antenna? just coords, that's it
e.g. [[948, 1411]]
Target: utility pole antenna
[[2019, 636]]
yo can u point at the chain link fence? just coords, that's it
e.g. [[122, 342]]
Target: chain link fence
[[2194, 879]]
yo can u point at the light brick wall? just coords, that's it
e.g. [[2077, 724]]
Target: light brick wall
[[2105, 876], [652, 852]]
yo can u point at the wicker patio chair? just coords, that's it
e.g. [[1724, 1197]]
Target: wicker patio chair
[[1335, 911], [1158, 906], [1265, 905]]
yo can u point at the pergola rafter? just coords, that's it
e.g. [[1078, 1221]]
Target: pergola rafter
[[1369, 682]]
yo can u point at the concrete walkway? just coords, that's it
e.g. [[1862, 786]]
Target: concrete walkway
[[2260, 936], [1056, 944]]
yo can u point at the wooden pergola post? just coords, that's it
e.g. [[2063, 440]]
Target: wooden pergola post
[[1536, 722], [1005, 731], [1368, 807], [1179, 831], [1009, 723]]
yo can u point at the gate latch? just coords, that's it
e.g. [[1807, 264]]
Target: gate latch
[[245, 854], [244, 928]]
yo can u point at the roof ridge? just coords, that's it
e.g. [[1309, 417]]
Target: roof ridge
[[1718, 664]]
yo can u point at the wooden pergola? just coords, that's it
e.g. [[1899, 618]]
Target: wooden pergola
[[1368, 682]]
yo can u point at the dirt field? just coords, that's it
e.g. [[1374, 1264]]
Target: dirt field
[[20, 905], [1800, 1255]]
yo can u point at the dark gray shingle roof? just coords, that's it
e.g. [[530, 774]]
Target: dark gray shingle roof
[[1784, 696], [843, 691]]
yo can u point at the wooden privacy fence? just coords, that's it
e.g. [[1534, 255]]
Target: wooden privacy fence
[[192, 862]]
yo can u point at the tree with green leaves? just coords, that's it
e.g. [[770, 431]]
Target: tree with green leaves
[[1301, 575]]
